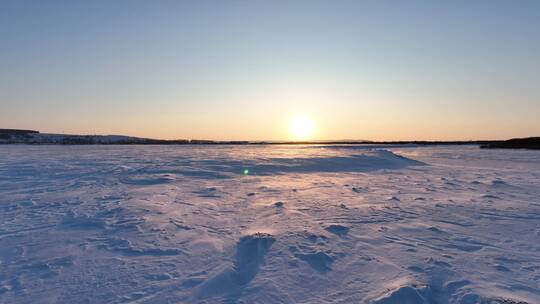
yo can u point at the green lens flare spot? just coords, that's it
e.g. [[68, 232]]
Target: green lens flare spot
[[246, 171]]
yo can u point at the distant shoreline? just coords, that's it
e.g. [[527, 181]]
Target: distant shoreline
[[32, 137]]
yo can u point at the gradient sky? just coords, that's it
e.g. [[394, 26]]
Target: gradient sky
[[380, 70]]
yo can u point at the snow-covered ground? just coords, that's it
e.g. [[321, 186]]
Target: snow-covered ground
[[268, 224]]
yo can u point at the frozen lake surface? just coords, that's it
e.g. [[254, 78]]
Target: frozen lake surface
[[269, 224]]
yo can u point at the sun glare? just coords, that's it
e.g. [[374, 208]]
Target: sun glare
[[301, 127]]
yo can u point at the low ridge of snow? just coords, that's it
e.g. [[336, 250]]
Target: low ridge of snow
[[269, 224]]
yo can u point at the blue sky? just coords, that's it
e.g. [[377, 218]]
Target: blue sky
[[241, 69]]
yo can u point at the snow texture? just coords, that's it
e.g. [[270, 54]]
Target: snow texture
[[269, 224]]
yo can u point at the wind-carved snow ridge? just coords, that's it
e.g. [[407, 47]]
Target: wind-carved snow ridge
[[438, 288], [250, 252], [366, 160], [359, 161], [269, 224]]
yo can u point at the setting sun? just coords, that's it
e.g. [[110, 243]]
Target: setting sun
[[301, 127]]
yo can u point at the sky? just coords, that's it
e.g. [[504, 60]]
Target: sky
[[243, 70]]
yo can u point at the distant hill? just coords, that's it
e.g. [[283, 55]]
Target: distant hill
[[532, 143], [15, 136], [31, 137], [16, 132]]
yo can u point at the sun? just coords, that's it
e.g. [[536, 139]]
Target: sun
[[301, 127]]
